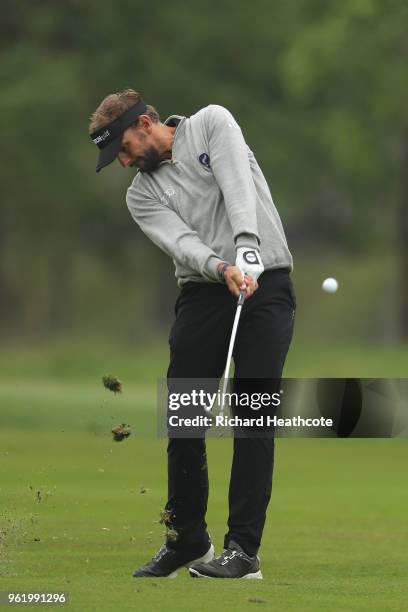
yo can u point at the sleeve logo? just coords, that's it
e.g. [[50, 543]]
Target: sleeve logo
[[167, 195]]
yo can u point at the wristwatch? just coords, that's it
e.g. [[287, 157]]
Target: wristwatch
[[221, 271]]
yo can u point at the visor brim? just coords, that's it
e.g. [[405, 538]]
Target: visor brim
[[108, 154]]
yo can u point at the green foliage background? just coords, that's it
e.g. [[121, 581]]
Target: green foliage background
[[320, 90]]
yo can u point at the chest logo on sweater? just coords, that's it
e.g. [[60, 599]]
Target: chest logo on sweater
[[204, 159]]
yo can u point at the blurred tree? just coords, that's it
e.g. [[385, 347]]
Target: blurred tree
[[318, 87], [345, 74]]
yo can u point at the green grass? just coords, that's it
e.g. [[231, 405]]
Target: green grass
[[59, 388], [78, 362], [336, 535]]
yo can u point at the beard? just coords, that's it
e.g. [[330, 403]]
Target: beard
[[151, 160]]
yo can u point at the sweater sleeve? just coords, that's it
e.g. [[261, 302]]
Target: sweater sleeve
[[229, 161], [168, 231]]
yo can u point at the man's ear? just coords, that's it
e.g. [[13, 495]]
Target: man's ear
[[145, 123]]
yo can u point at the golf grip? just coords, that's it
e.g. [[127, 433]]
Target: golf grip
[[240, 303]]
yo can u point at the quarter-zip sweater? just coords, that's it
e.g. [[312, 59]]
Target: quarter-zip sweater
[[209, 199]]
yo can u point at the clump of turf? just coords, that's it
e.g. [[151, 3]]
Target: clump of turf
[[120, 432], [171, 535], [165, 516], [166, 519], [112, 383]]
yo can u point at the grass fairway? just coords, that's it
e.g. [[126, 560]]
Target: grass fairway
[[73, 516], [336, 536]]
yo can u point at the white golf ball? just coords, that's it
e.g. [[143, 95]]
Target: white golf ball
[[330, 285]]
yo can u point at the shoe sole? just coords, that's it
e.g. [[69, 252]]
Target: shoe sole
[[209, 556], [254, 576]]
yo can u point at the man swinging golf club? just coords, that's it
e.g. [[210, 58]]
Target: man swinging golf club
[[201, 197]]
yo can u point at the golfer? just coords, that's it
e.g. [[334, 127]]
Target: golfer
[[200, 196]]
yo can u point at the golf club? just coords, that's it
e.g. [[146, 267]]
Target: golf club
[[240, 303]]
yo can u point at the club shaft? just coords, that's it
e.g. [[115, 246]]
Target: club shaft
[[241, 300]]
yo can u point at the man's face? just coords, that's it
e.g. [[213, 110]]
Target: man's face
[[138, 148]]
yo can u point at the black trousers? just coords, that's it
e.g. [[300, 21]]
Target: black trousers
[[199, 341]]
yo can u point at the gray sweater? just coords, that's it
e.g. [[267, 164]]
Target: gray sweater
[[208, 200]]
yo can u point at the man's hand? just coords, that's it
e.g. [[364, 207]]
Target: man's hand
[[249, 262], [235, 281]]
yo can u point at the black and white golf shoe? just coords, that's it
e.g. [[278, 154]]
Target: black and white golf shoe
[[233, 563], [167, 561]]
